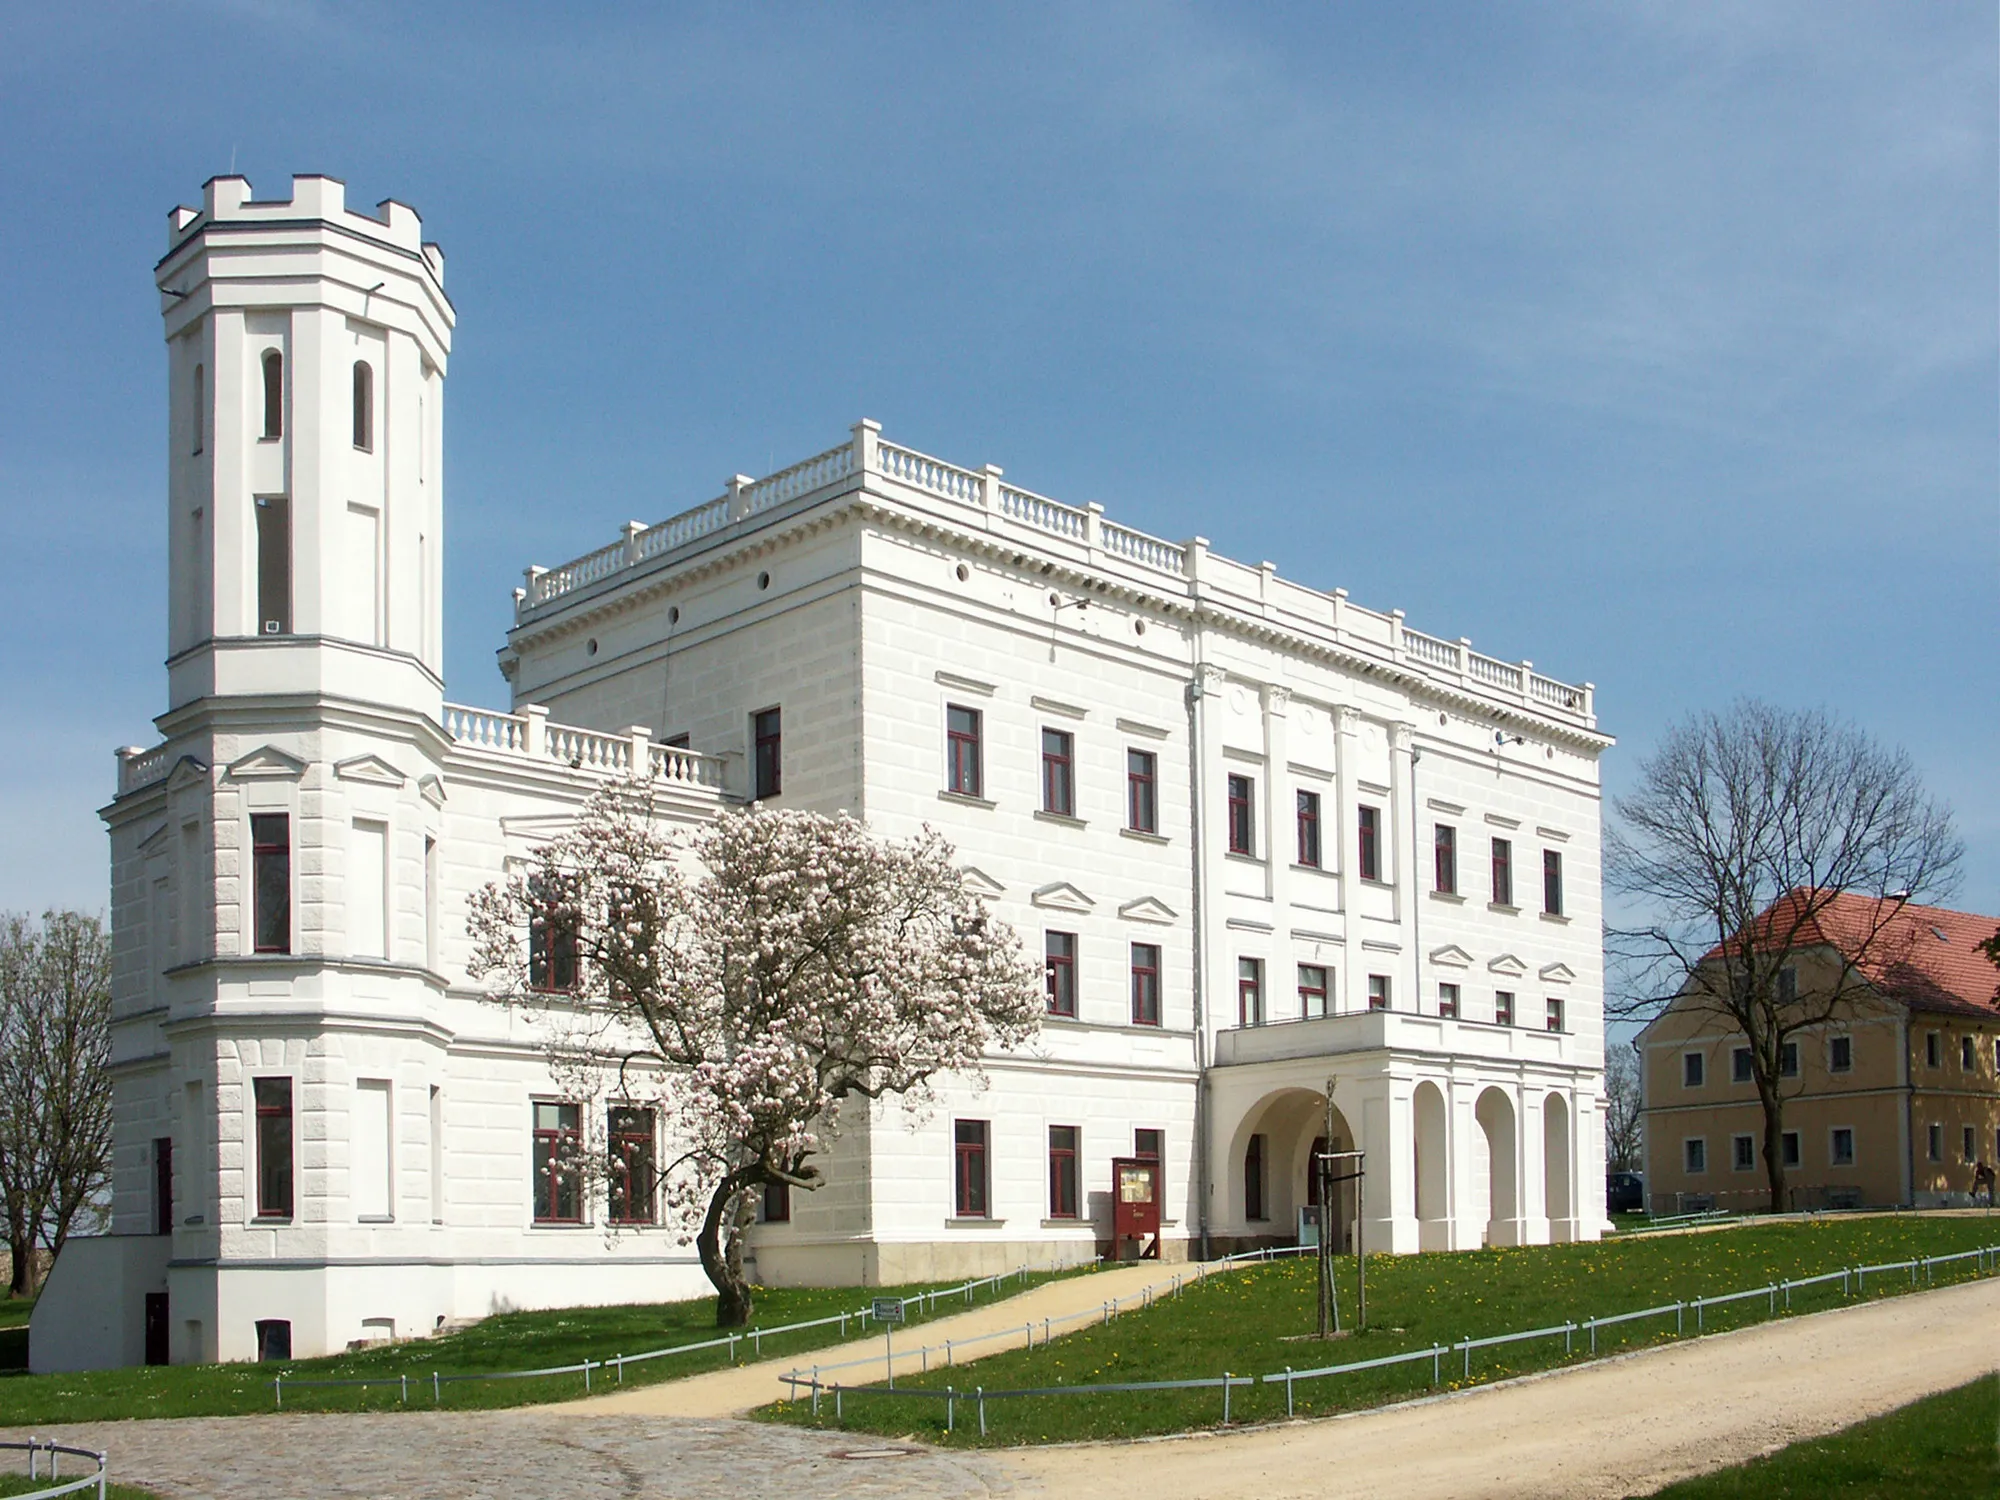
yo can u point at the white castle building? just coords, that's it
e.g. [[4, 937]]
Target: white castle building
[[1265, 838]]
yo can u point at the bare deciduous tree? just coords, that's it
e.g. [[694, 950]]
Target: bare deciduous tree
[[1757, 836], [748, 977], [1622, 1137], [55, 1087]]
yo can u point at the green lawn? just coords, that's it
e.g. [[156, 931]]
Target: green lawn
[[1945, 1445], [17, 1484], [1250, 1321], [509, 1341]]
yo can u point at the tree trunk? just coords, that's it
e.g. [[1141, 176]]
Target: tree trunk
[[1774, 1140], [21, 1246], [724, 1267]]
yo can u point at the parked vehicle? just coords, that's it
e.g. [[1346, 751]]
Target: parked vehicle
[[1624, 1192]]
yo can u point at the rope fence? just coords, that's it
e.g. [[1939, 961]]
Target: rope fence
[[1852, 1279]]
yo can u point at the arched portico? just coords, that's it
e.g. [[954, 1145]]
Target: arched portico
[[1558, 1153], [1267, 1171], [1431, 1141], [1495, 1173]]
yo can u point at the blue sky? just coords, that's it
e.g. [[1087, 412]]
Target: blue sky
[[1656, 343]]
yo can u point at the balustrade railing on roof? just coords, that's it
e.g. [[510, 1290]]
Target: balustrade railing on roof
[[1352, 625], [137, 768], [529, 736]]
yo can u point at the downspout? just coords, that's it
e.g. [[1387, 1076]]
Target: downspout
[[1196, 760]]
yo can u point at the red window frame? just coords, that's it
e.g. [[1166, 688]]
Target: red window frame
[[776, 1204], [271, 882], [1059, 972], [1142, 787], [1555, 1013], [275, 1170], [1059, 772], [1242, 801], [964, 773], [1063, 1149], [1149, 1144], [630, 1137], [1378, 992], [1249, 992], [969, 1176], [1312, 990], [1552, 882], [767, 728], [1308, 820], [1503, 872], [1145, 984], [555, 1178], [1368, 842], [1503, 1007], [1444, 858], [554, 966], [1448, 1000]]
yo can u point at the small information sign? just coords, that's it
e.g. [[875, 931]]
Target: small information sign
[[887, 1310]]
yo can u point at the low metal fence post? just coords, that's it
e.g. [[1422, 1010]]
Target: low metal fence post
[[1568, 1348], [1699, 1307], [406, 1388], [950, 1408], [586, 1377], [1288, 1390], [982, 1411], [1225, 1398], [1437, 1352], [277, 1397], [1467, 1346], [1788, 1295], [437, 1394], [837, 1413], [1593, 1338], [1680, 1319], [815, 1390]]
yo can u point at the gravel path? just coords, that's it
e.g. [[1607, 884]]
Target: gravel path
[[1621, 1427]]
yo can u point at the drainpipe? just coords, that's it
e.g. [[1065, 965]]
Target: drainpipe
[[1196, 760]]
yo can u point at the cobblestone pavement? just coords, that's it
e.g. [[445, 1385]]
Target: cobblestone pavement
[[530, 1454]]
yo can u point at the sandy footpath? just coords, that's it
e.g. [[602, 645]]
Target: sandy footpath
[[731, 1392], [1625, 1426]]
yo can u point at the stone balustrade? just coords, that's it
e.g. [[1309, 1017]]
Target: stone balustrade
[[1374, 1030], [530, 736]]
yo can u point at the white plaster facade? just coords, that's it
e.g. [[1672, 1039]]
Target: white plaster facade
[[864, 594]]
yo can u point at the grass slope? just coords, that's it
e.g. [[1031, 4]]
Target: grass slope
[[508, 1341], [17, 1484], [1945, 1445], [1248, 1321]]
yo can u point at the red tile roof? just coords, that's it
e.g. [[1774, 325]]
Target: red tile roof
[[1927, 957]]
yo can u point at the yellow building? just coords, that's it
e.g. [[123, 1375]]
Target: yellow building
[[1893, 1101]]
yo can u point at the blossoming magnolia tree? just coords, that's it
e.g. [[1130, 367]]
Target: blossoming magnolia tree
[[743, 979]]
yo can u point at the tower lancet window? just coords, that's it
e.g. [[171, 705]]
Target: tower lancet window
[[274, 394], [199, 419], [274, 565], [364, 406]]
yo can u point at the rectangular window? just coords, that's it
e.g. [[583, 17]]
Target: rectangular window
[[368, 889], [437, 1154], [274, 565], [629, 1136], [1788, 1059], [774, 1205], [1312, 990], [1448, 1001], [271, 882], [1378, 991], [199, 426], [1969, 1147], [1552, 882], [364, 406], [1967, 1060], [1840, 1054], [1933, 1050], [273, 1098], [1695, 1155], [1149, 1145], [552, 944], [1249, 992], [1694, 1070], [1309, 829], [1503, 872], [1368, 835], [1444, 858], [371, 1149], [1059, 772], [1842, 1154], [963, 772], [1934, 1142], [1503, 1007], [1145, 984], [557, 1169], [1788, 1147], [1062, 1171], [767, 731], [1059, 972], [1742, 1152], [1142, 791], [1788, 985], [1242, 816], [163, 1184], [969, 1169], [1740, 1069], [1555, 1013], [1253, 1180], [430, 903]]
